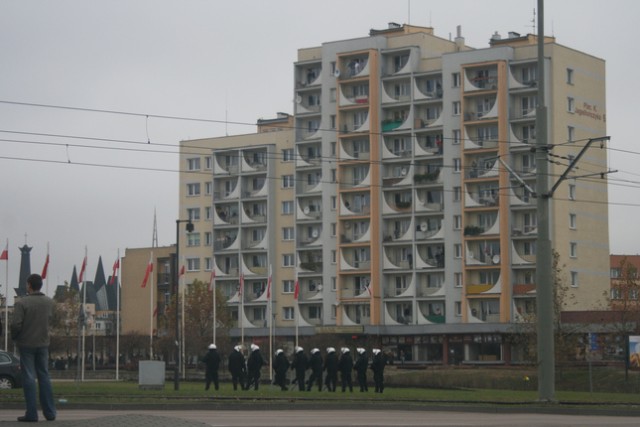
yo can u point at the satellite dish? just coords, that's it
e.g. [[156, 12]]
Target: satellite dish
[[298, 99], [424, 226], [306, 210], [403, 171], [319, 288], [314, 233], [336, 73], [496, 259]]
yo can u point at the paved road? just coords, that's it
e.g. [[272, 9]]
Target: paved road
[[314, 418]]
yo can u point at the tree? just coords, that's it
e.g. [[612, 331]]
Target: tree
[[64, 323]]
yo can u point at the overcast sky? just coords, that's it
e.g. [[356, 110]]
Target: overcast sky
[[216, 60]]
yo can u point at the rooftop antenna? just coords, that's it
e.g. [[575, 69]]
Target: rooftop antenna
[[533, 22], [409, 12]]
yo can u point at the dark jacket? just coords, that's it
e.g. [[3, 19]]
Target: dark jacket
[[255, 361], [345, 365], [31, 316], [281, 364], [315, 363], [300, 362], [236, 363], [361, 363], [331, 362], [212, 360], [378, 363]]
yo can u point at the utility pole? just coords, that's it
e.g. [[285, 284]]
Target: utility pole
[[544, 262]]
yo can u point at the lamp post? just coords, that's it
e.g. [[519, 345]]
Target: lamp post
[[189, 228]]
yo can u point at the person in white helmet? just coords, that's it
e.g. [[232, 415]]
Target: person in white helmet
[[254, 365], [362, 363], [300, 365], [237, 367], [345, 366], [212, 363], [281, 366], [377, 366], [315, 363], [331, 366]]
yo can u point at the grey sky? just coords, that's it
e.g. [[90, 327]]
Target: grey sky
[[216, 60]]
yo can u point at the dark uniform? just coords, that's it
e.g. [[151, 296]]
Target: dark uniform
[[315, 363], [300, 365], [281, 366], [254, 365], [378, 364], [212, 363], [361, 369], [237, 367], [331, 366], [345, 366]]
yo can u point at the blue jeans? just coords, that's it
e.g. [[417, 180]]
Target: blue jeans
[[34, 362]]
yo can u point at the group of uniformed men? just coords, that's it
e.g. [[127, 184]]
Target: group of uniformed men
[[246, 373]]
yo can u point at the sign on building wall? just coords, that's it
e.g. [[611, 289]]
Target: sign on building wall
[[634, 352]]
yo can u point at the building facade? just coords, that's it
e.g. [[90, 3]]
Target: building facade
[[399, 203]]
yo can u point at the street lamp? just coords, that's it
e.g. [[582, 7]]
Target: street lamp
[[189, 228]]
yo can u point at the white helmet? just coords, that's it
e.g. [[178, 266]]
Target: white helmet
[[331, 350], [360, 350], [278, 351], [254, 347], [212, 347], [344, 350], [299, 349], [376, 351], [238, 348], [315, 350]]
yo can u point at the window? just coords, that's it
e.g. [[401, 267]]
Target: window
[[571, 133], [616, 293], [334, 176], [457, 308], [193, 214], [572, 191], [457, 250], [333, 121], [208, 163], [457, 194], [334, 284], [208, 186], [332, 94], [287, 260], [455, 77], [287, 207], [287, 155], [457, 280], [457, 165], [287, 286], [573, 249], [615, 273], [287, 233], [208, 238], [287, 181], [457, 222], [193, 189], [456, 108], [334, 202], [193, 164], [193, 239], [529, 248], [574, 279], [208, 264], [572, 221], [334, 311], [571, 105], [334, 228], [455, 136], [288, 313], [315, 312], [569, 76], [333, 149], [193, 264], [207, 213], [334, 256]]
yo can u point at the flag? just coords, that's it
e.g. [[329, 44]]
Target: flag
[[269, 287], [296, 290], [241, 284], [147, 273], [182, 270], [84, 266], [155, 311], [116, 266], [212, 278], [367, 286], [46, 266], [5, 252]]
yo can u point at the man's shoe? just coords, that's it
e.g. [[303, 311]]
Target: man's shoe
[[28, 420], [51, 418]]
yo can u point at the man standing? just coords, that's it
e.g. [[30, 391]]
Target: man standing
[[315, 363], [362, 363], [30, 331], [254, 365], [378, 364], [212, 363], [300, 365], [237, 367], [345, 366]]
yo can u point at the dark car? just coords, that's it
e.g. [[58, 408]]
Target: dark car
[[10, 374]]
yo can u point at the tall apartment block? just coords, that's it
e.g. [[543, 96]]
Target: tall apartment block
[[401, 198]]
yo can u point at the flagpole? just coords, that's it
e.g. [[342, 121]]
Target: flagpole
[[296, 294], [241, 312], [151, 310], [46, 264], [270, 320], [183, 342], [6, 298], [117, 320], [213, 288], [84, 312]]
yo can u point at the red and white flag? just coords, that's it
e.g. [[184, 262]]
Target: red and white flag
[[5, 252], [182, 271], [84, 266], [241, 284], [147, 273], [296, 290], [116, 266], [212, 278], [46, 266], [269, 286]]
